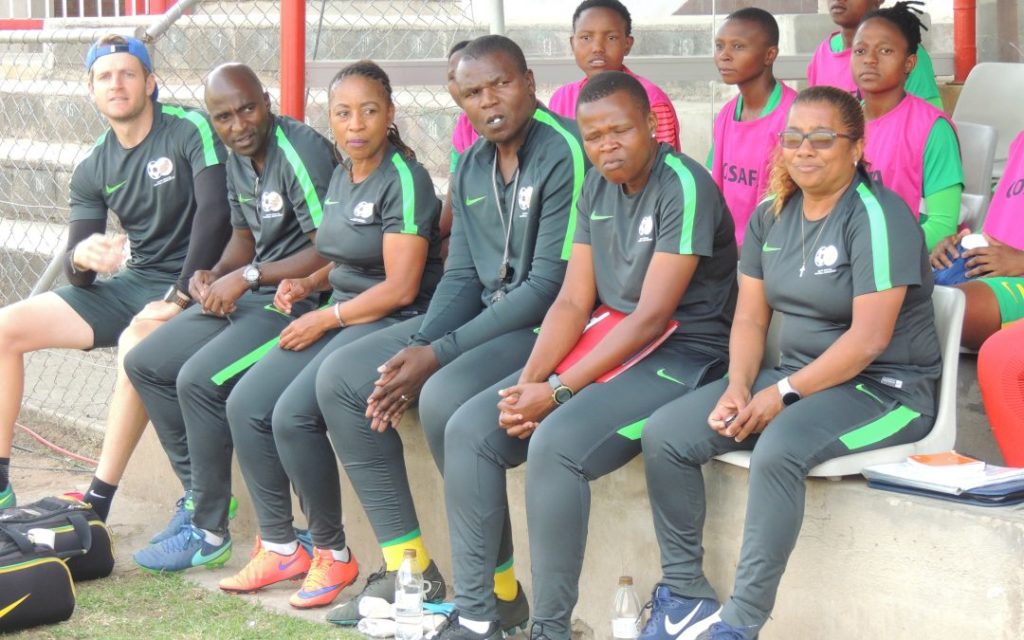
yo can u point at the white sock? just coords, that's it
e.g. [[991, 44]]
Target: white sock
[[281, 548], [476, 626], [341, 556], [212, 538]]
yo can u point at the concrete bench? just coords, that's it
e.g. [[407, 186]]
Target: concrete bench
[[868, 564]]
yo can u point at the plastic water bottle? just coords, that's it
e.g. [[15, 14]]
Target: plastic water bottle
[[626, 610], [409, 599]]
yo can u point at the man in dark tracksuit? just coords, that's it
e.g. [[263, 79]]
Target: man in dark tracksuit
[[277, 175], [515, 188], [656, 244], [159, 170]]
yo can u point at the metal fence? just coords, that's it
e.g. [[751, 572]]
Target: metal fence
[[48, 123]]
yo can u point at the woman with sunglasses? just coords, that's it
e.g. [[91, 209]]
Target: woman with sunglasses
[[840, 259], [911, 145]]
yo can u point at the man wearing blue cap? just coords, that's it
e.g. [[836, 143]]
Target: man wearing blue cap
[[160, 170]]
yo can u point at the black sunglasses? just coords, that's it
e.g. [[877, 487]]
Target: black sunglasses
[[820, 140]]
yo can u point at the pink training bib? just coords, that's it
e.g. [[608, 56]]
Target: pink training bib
[[894, 147], [1005, 218], [831, 68], [743, 156], [564, 100], [464, 134]]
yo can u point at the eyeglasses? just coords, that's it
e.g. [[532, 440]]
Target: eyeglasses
[[819, 140]]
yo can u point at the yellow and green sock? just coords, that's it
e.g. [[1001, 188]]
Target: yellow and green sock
[[505, 585], [394, 550]]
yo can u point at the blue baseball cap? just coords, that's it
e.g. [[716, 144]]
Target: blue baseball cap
[[134, 47]]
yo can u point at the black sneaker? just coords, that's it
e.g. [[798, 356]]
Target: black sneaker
[[450, 629], [514, 615], [381, 584]]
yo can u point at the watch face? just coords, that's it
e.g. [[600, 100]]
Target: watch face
[[251, 274], [790, 398], [563, 395]]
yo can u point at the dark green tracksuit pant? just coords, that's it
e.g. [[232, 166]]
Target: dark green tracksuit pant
[[184, 372], [277, 398], [853, 417], [374, 462], [593, 434]]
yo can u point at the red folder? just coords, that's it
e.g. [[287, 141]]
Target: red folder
[[601, 322]]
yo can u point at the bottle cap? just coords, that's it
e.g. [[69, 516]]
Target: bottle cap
[[409, 553], [625, 581]]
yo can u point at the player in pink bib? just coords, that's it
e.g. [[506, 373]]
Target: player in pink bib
[[600, 41], [463, 137], [995, 295], [831, 61], [746, 129], [911, 146]]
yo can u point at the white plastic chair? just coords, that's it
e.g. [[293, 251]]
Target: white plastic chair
[[949, 319], [991, 95], [977, 152]]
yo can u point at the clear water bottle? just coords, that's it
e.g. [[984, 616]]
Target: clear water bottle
[[409, 599], [626, 610]]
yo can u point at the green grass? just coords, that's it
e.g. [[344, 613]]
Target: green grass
[[141, 607]]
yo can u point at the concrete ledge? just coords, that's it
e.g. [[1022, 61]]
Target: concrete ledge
[[868, 564]]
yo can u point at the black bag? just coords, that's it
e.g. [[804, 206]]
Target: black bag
[[35, 583], [81, 538]]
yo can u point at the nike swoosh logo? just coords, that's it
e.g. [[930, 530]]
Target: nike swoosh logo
[[661, 374], [242, 199], [320, 591], [594, 216], [677, 628], [767, 249], [199, 558], [14, 605], [281, 566], [112, 188], [471, 201], [329, 201]]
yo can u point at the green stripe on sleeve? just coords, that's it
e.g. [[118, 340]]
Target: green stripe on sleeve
[[577, 174], [879, 238], [203, 125], [408, 194], [632, 431], [243, 363], [689, 187], [412, 535], [880, 429], [316, 211]]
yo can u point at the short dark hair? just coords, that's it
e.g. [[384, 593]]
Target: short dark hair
[[760, 18], [457, 47], [486, 45], [605, 84], [906, 17], [611, 5]]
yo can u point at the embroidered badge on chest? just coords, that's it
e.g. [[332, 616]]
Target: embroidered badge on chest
[[646, 228], [525, 197], [825, 259], [362, 212], [160, 170], [271, 205]]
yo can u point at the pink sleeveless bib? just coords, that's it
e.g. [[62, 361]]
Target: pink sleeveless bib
[[894, 147], [743, 156], [828, 67], [1005, 218], [464, 135]]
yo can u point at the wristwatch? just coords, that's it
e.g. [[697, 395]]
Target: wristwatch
[[176, 297], [251, 275], [788, 393], [559, 392]]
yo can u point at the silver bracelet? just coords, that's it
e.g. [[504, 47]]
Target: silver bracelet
[[337, 315]]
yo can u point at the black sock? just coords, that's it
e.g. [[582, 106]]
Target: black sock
[[100, 495], [5, 470]]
